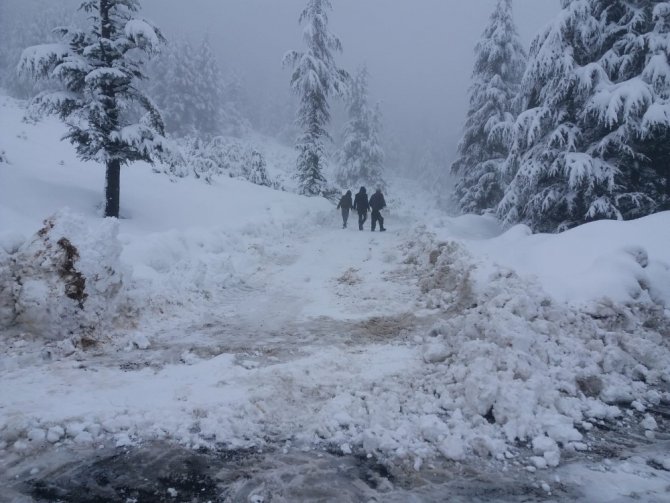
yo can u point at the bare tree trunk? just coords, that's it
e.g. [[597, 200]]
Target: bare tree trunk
[[112, 188], [113, 172]]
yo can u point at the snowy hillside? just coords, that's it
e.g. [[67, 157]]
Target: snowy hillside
[[233, 316]]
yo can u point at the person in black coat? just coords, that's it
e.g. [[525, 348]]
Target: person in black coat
[[345, 205], [361, 205], [377, 203]]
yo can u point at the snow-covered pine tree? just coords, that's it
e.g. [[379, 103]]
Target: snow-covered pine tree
[[256, 171], [500, 60], [236, 111], [315, 77], [361, 156], [171, 81], [22, 25], [98, 67], [188, 86], [654, 124], [592, 142], [208, 89]]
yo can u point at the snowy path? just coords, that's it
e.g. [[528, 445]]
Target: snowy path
[[332, 303]]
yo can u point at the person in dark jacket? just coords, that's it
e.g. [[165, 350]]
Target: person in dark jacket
[[345, 205], [362, 206], [377, 203]]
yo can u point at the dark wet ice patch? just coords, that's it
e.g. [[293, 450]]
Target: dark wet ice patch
[[166, 473], [153, 474]]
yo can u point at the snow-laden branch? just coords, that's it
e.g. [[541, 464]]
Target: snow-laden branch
[[143, 34], [38, 61]]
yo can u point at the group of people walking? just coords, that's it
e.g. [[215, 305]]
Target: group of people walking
[[362, 205]]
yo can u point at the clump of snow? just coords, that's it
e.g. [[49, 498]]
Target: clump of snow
[[65, 281]]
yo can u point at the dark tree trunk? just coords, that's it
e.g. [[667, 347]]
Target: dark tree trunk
[[113, 173], [112, 188]]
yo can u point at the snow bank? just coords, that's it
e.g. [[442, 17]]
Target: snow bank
[[65, 281], [510, 363], [623, 261]]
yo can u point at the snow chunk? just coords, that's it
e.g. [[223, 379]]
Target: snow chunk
[[36, 435], [70, 278], [140, 341], [55, 433], [548, 448], [649, 423], [436, 353]]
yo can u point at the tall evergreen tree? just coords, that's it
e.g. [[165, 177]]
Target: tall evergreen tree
[[22, 25], [592, 142], [315, 77], [191, 92], [99, 66], [236, 106], [172, 77], [499, 64], [362, 156], [653, 127], [208, 88]]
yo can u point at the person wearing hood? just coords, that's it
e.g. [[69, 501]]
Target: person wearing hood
[[361, 205], [377, 203], [345, 205]]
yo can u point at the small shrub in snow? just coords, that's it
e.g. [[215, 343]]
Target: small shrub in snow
[[64, 282], [220, 156]]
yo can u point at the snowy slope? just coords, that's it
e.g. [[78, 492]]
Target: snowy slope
[[248, 316]]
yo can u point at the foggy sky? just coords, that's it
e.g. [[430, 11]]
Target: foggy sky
[[419, 52]]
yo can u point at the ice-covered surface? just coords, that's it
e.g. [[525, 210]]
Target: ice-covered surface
[[249, 319]]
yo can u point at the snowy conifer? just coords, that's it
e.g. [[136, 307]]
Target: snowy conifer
[[236, 106], [362, 156], [256, 171], [208, 88], [654, 125], [592, 142], [315, 77], [23, 25], [99, 67], [172, 77], [499, 64], [192, 94]]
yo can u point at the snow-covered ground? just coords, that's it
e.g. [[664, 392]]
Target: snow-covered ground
[[238, 317]]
